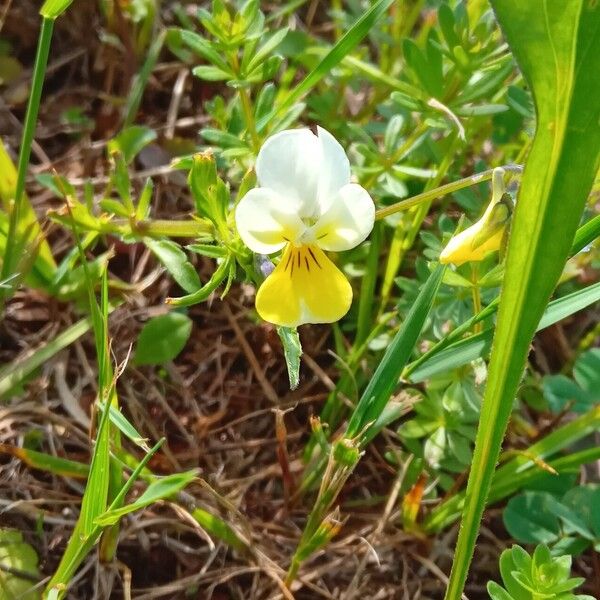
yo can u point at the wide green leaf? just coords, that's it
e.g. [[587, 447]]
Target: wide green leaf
[[176, 262], [162, 339], [19, 567], [555, 44]]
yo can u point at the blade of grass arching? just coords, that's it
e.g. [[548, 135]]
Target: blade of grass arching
[[39, 70], [385, 378], [477, 346], [47, 462], [162, 487], [521, 470], [553, 43], [586, 234], [141, 80], [345, 45], [44, 266], [373, 73], [14, 374]]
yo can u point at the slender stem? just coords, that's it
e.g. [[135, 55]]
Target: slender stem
[[249, 116], [33, 106], [443, 190], [150, 227], [476, 295], [246, 104], [166, 228]]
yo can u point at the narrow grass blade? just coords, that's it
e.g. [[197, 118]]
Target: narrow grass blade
[[554, 44], [477, 346], [139, 85], [39, 70], [14, 374], [385, 378], [118, 419], [160, 489], [346, 44], [82, 542], [218, 528], [47, 462]]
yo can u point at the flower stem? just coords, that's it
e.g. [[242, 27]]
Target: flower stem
[[443, 190], [246, 105], [476, 295], [249, 117]]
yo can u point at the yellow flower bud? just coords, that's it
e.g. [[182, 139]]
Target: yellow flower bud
[[486, 235]]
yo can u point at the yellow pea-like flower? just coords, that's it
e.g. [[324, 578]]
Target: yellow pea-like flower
[[486, 235], [305, 205]]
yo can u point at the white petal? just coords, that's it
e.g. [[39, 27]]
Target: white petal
[[288, 163], [266, 221], [334, 169], [348, 221]]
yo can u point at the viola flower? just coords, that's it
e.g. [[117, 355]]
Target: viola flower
[[487, 234], [305, 204]]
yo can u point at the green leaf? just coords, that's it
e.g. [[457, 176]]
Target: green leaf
[[208, 288], [343, 47], [131, 141], [203, 48], [134, 98], [110, 205], [44, 266], [272, 42], [529, 519], [212, 73], [292, 350], [118, 419], [218, 528], [162, 339], [497, 593], [174, 259], [554, 44], [385, 378], [16, 556], [165, 487], [95, 496], [47, 462]]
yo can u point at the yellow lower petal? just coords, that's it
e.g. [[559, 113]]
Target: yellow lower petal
[[305, 287]]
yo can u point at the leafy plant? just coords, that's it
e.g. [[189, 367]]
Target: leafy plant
[[581, 392], [528, 577], [566, 524], [162, 339]]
